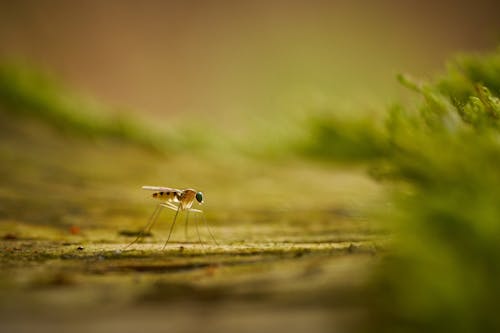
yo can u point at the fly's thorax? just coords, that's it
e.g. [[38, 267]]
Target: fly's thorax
[[187, 198], [188, 195]]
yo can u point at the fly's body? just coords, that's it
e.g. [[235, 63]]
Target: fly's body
[[178, 200], [185, 198]]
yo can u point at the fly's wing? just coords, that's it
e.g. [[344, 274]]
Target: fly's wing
[[159, 188]]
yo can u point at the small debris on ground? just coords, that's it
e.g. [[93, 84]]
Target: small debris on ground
[[10, 236], [74, 230], [132, 233]]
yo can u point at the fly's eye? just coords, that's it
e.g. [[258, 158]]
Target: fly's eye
[[199, 197]]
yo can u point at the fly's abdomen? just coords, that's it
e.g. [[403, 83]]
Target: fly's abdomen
[[166, 196]]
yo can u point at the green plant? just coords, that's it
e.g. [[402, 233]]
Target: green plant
[[443, 269], [26, 92]]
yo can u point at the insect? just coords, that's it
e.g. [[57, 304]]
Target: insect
[[178, 200]]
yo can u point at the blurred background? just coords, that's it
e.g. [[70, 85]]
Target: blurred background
[[222, 59]]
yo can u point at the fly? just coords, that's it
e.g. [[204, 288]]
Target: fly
[[177, 200]]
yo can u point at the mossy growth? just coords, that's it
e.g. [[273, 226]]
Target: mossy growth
[[28, 92], [444, 268]]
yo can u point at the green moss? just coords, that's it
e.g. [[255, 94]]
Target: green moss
[[465, 72], [445, 263], [354, 140], [29, 93]]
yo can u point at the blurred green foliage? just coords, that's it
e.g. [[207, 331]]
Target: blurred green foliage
[[28, 93], [443, 157], [344, 140]]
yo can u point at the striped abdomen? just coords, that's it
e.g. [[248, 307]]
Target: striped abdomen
[[168, 196]]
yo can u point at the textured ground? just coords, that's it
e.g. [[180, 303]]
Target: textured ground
[[296, 240]]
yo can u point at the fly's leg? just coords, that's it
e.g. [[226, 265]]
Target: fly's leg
[[186, 226], [169, 205], [206, 224], [173, 223], [151, 221], [198, 232], [208, 229], [196, 224]]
